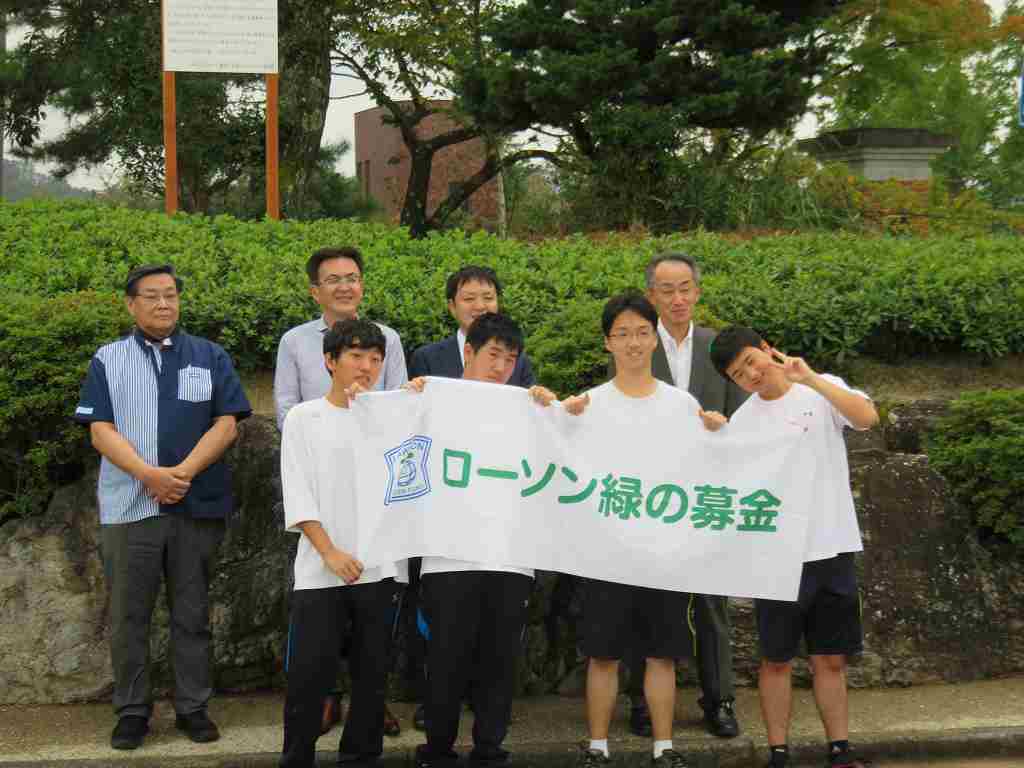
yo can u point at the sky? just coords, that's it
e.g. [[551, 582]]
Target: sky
[[340, 124]]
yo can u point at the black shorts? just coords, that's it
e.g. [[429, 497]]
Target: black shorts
[[827, 614], [619, 620]]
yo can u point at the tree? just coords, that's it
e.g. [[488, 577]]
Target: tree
[[630, 84], [411, 56], [101, 69], [894, 43], [326, 194], [957, 77], [99, 63], [609, 71]]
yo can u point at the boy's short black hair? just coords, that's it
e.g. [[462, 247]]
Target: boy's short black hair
[[728, 344], [131, 287], [355, 333], [497, 326], [325, 254], [468, 274], [630, 301]]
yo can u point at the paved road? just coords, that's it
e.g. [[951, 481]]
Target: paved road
[[994, 762]]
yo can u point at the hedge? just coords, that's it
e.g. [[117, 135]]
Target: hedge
[[979, 448], [826, 296]]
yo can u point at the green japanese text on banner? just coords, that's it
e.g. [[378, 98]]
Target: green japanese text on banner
[[644, 496]]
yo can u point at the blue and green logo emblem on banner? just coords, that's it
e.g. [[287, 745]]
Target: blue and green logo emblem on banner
[[408, 470]]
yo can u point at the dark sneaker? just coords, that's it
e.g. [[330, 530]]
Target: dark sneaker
[[419, 718], [669, 759], [592, 758], [197, 726], [424, 759], [391, 726], [640, 719], [848, 759], [129, 732], [720, 719]]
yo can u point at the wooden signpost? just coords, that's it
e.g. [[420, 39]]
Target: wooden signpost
[[226, 37]]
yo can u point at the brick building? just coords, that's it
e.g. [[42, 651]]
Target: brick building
[[382, 166]]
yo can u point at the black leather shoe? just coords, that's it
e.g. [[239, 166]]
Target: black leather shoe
[[669, 759], [640, 719], [720, 719], [129, 732], [423, 758], [197, 726], [419, 718]]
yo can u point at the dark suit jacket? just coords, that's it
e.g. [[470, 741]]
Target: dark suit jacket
[[442, 358], [713, 392]]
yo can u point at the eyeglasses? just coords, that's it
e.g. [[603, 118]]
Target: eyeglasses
[[641, 334], [333, 281]]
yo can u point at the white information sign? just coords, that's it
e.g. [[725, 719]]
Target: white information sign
[[236, 36]]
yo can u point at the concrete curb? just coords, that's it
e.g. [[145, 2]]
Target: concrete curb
[[734, 753]]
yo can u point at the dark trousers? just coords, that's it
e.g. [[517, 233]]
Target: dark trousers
[[136, 558], [415, 642], [472, 615], [319, 618], [709, 617]]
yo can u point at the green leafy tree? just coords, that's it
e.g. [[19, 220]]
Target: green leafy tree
[[629, 85], [326, 193], [101, 68], [99, 64], [958, 78], [412, 57]]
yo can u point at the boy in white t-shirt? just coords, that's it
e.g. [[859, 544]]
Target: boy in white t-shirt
[[332, 589], [475, 612], [620, 619], [787, 394]]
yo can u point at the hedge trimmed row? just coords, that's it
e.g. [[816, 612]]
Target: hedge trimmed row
[[826, 296], [979, 448]]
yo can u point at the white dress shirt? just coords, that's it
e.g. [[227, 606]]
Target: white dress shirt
[[680, 356]]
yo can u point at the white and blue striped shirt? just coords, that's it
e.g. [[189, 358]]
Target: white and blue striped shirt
[[162, 407]]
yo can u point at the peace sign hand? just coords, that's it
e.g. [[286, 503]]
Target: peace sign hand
[[795, 369]]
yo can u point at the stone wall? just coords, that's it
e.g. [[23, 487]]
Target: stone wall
[[937, 606]]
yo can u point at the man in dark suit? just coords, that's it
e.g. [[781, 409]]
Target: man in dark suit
[[682, 359], [472, 291]]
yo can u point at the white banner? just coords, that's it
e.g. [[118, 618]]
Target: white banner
[[479, 472], [236, 36]]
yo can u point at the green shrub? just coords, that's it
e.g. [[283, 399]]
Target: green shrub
[[979, 448], [825, 296], [46, 344]]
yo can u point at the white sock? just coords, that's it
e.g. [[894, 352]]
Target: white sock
[[661, 746], [600, 744]]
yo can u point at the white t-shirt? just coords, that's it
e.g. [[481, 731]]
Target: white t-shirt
[[627, 410], [318, 481], [447, 565], [833, 523]]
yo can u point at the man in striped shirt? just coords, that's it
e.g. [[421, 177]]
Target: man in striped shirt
[[162, 408]]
